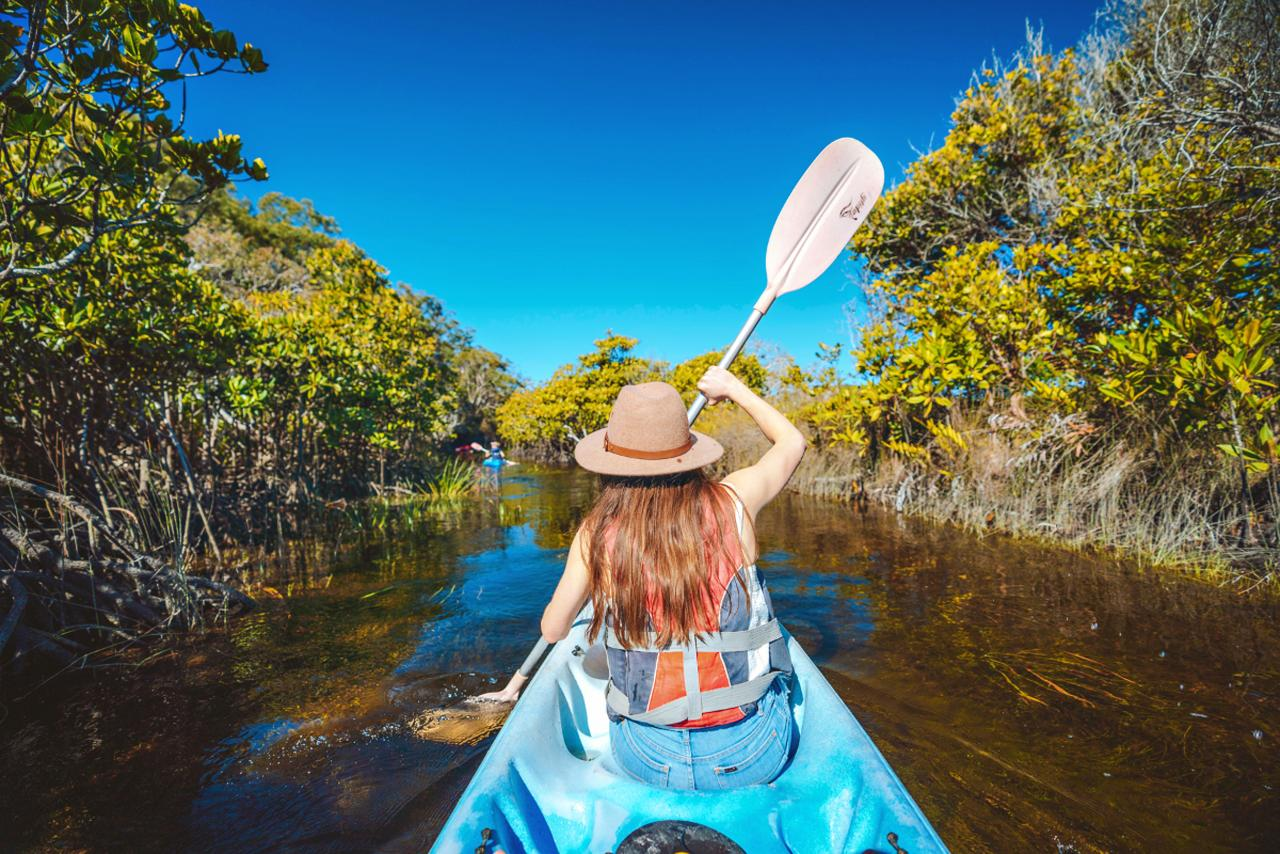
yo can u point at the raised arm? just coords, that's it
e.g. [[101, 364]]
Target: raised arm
[[758, 484]]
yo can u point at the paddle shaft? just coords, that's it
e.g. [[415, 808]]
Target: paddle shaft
[[729, 355], [534, 658]]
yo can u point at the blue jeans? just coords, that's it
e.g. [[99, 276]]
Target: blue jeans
[[753, 750]]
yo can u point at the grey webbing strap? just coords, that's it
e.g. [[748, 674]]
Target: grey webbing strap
[[740, 641], [677, 711], [692, 685], [743, 641]]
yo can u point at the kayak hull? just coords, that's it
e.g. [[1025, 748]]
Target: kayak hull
[[550, 784]]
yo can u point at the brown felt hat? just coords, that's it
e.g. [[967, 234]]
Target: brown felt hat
[[648, 435]]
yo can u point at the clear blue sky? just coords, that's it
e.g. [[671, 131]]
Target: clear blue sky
[[554, 170]]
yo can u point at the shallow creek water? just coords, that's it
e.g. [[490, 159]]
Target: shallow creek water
[[1030, 699]]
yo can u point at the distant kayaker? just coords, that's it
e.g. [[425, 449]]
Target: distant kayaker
[[493, 454], [699, 675]]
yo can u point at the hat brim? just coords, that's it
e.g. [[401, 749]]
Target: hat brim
[[592, 456]]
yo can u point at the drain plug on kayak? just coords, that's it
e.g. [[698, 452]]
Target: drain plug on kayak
[[677, 837]]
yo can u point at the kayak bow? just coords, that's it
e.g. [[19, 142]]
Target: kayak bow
[[550, 784]]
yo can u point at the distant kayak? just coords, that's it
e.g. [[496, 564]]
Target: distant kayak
[[550, 784], [494, 462]]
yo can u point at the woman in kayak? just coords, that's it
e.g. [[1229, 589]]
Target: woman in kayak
[[699, 676]]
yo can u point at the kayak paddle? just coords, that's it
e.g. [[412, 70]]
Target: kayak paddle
[[832, 198]]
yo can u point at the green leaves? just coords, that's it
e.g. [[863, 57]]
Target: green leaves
[[578, 397], [251, 59], [335, 373], [138, 48], [95, 111], [1205, 373], [224, 43], [746, 367], [18, 102], [354, 358], [32, 123], [1074, 258]]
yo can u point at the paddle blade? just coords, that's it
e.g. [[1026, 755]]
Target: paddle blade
[[832, 199]]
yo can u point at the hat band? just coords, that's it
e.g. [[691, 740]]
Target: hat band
[[646, 455]]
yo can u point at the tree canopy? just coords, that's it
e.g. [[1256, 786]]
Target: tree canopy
[[1094, 238], [93, 141], [150, 316]]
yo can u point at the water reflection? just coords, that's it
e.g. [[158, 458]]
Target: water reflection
[[1027, 697]]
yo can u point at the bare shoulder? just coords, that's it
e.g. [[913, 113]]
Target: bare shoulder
[[748, 489]]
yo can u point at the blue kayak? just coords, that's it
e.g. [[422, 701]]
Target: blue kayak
[[493, 462], [550, 784]]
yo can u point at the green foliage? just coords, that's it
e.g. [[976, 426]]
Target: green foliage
[[578, 397], [148, 316], [483, 381], [104, 342], [350, 362], [1082, 245], [93, 144], [279, 224], [1209, 374], [327, 385]]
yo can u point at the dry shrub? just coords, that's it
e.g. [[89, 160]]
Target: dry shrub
[[1166, 505]]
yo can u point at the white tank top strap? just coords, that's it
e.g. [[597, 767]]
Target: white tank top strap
[[739, 509]]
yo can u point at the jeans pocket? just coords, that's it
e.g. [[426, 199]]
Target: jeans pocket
[[639, 763], [646, 740], [757, 762]]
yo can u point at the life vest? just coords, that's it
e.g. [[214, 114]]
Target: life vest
[[713, 679]]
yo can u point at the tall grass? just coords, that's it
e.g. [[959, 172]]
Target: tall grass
[[1173, 506], [455, 480], [1168, 506], [402, 507]]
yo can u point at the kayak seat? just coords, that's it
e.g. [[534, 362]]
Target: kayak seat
[[595, 661], [584, 723]]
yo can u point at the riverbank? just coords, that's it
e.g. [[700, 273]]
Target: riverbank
[[87, 588]]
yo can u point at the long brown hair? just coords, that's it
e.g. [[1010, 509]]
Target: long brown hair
[[651, 546]]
